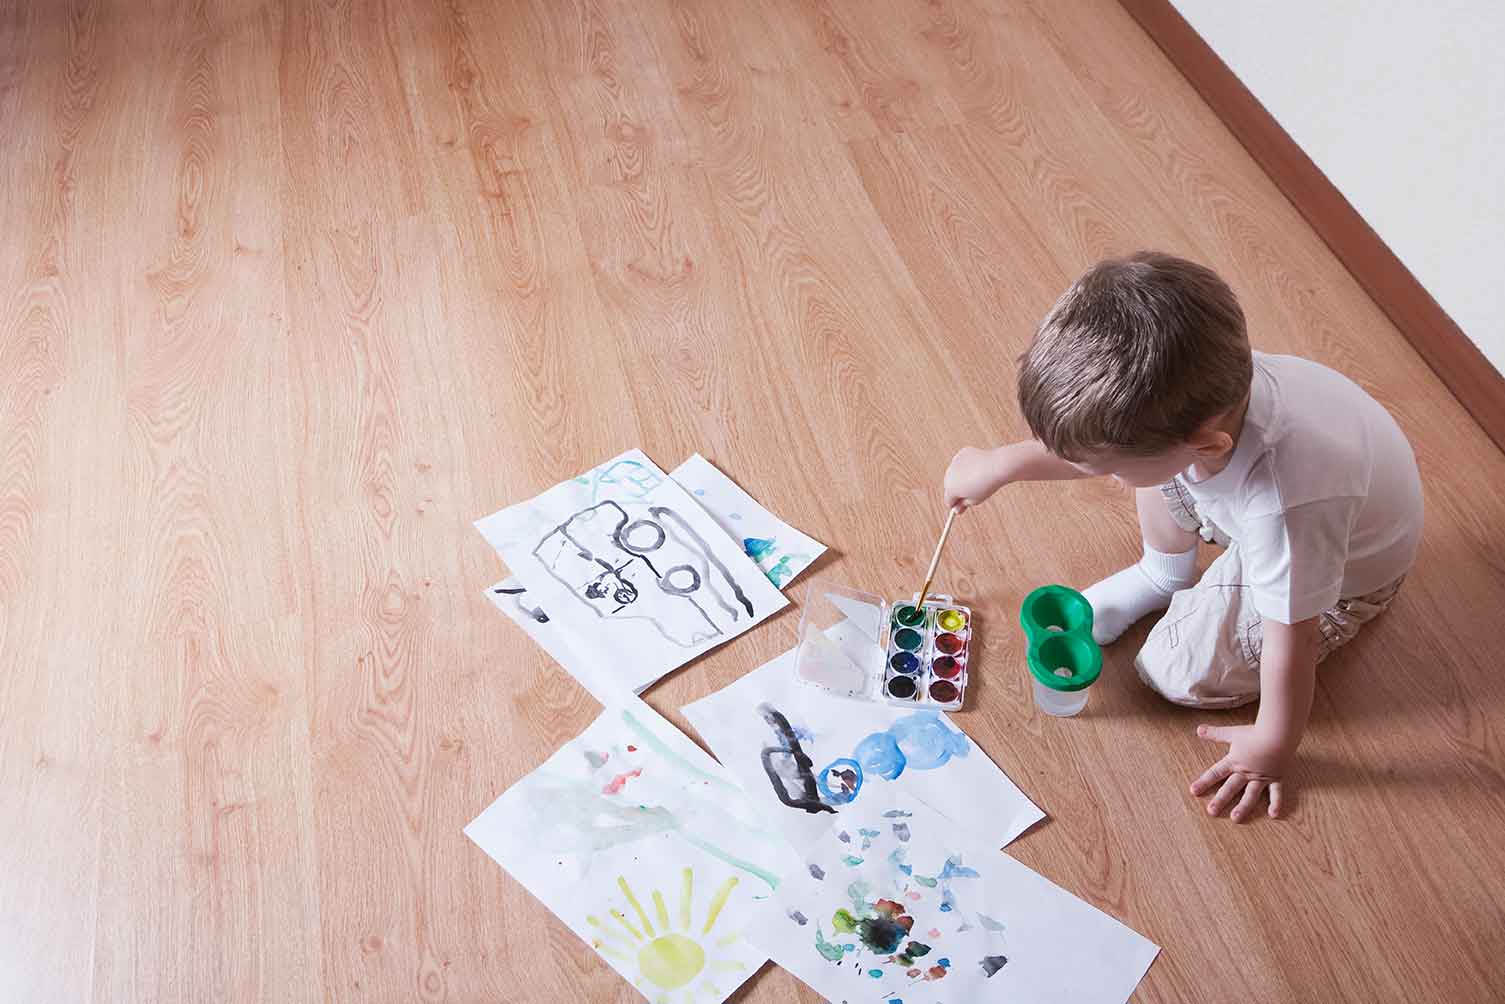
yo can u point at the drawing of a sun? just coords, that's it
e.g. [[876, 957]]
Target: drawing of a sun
[[669, 957]]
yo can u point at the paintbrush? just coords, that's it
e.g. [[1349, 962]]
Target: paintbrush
[[935, 559]]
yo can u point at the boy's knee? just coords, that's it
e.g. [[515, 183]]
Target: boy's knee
[[1189, 671]]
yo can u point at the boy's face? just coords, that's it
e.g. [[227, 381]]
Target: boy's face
[[1137, 471]]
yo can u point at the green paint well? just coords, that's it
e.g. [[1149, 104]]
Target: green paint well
[[908, 639], [908, 616]]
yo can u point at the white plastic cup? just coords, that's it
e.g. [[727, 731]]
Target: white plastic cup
[[1061, 703]]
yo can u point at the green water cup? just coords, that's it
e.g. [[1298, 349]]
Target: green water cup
[[1063, 659]]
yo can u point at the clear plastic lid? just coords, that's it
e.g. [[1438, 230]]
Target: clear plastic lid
[[841, 639]]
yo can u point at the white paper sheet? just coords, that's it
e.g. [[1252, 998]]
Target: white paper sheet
[[781, 551], [633, 568], [893, 903], [808, 757], [647, 849], [511, 597]]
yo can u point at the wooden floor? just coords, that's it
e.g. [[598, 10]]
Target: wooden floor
[[291, 291]]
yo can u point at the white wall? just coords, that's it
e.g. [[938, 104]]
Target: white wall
[[1402, 106]]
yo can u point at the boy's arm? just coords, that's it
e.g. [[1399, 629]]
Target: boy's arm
[[976, 474], [1259, 754]]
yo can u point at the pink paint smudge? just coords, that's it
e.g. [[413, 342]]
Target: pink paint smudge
[[619, 782]]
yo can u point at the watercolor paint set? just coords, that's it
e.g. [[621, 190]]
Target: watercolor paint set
[[859, 645]]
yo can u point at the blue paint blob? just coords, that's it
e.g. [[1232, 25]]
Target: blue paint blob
[[876, 974], [879, 754], [757, 547], [943, 963], [953, 868], [926, 741]]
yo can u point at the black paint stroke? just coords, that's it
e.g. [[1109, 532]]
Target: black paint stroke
[[789, 752], [533, 613], [660, 512]]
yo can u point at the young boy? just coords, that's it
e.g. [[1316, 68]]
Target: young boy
[[1142, 371]]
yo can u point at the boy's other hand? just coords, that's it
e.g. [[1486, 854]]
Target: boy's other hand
[[1252, 766], [971, 478]]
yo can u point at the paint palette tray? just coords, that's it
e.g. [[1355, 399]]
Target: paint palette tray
[[859, 645]]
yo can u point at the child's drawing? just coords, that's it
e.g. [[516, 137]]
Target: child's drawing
[[677, 948], [810, 756], [652, 567], [917, 741], [631, 569], [781, 551], [645, 846], [892, 903]]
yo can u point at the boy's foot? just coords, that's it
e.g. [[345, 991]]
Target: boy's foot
[[1127, 595]]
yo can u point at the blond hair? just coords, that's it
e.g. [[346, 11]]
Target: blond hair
[[1136, 356]]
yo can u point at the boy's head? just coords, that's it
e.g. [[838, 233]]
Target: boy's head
[[1137, 369]]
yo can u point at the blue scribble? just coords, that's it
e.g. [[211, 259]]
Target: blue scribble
[[847, 774], [896, 858], [867, 836], [948, 900], [921, 741]]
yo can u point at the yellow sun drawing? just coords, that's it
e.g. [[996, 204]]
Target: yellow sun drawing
[[669, 957]]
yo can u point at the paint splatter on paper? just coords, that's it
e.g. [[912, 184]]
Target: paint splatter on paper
[[649, 851], [805, 754], [936, 920], [633, 572], [781, 551]]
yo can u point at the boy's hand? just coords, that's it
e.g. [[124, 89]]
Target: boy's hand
[[1252, 765], [973, 476]]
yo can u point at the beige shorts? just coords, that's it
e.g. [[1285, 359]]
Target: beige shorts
[[1205, 651]]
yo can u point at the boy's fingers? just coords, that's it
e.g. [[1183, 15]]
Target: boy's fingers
[[1211, 776], [1245, 807], [1217, 733], [1277, 799], [1226, 793]]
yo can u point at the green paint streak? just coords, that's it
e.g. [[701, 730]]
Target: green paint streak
[[924, 880], [843, 921], [857, 893], [647, 738], [829, 951], [851, 861], [731, 859]]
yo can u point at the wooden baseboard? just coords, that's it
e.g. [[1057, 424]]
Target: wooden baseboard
[[1477, 385]]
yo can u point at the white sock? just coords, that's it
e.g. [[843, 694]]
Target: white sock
[[1127, 595]]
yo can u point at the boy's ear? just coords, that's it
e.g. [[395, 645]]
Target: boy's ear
[[1211, 439]]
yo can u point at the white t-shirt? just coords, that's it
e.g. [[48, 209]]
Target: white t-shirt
[[1321, 495]]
